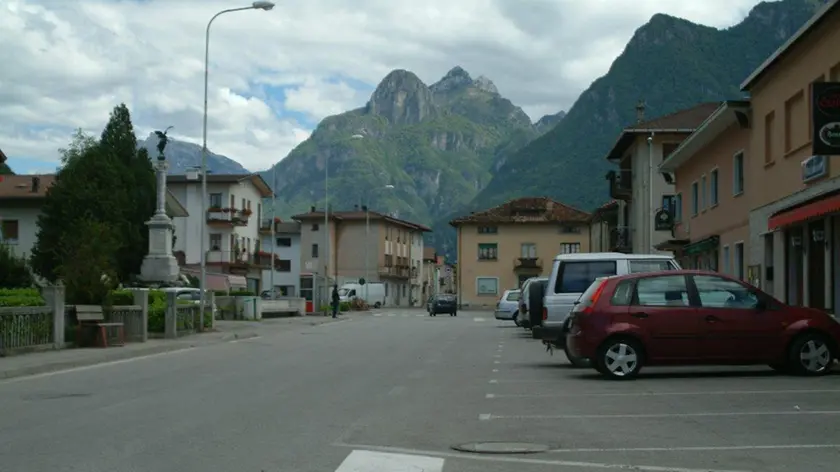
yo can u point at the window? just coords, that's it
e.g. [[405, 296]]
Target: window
[[487, 285], [284, 242], [570, 230], [576, 277], [668, 203], [512, 296], [703, 200], [216, 242], [283, 265], [569, 248], [9, 231], [315, 226], [623, 294], [488, 252], [488, 229], [665, 291], [738, 270], [314, 250], [678, 208], [713, 188], [717, 292], [769, 133], [738, 174], [529, 250], [695, 196], [637, 267], [216, 200], [726, 269]]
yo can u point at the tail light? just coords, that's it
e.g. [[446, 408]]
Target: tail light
[[545, 313], [589, 308]]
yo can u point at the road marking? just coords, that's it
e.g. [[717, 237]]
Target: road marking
[[484, 416], [391, 315], [705, 414], [370, 461], [497, 362], [397, 390], [495, 370], [419, 316], [497, 356], [494, 381], [697, 448], [664, 394], [490, 395], [377, 314], [478, 319], [510, 460]]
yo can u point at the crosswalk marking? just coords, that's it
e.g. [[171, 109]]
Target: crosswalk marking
[[369, 461]]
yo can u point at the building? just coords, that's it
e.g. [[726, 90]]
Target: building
[[286, 248], [642, 193], [432, 272], [604, 235], [501, 247], [794, 192], [234, 210], [365, 244], [21, 198], [711, 223]]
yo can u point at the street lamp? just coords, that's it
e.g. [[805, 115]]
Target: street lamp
[[327, 219], [265, 6]]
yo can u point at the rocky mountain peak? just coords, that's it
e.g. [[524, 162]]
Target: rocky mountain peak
[[402, 98], [457, 78]]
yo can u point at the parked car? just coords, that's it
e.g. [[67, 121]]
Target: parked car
[[508, 305], [443, 303], [683, 317], [522, 318], [571, 274], [190, 294]]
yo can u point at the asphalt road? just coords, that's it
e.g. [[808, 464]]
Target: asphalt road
[[392, 392]]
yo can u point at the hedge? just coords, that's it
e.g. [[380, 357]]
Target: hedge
[[20, 297]]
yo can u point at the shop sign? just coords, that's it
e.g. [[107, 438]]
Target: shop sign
[[825, 106], [815, 167], [663, 220]]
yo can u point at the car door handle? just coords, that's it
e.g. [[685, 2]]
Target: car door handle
[[712, 319], [640, 314]]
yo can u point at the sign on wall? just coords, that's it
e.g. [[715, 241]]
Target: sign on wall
[[825, 106], [813, 168]]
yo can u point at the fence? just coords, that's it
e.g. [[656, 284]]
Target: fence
[[24, 329]]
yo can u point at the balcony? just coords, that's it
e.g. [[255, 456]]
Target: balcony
[[527, 264], [394, 272], [265, 225], [228, 217], [242, 259], [620, 240], [621, 184]]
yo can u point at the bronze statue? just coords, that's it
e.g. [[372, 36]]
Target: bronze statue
[[163, 140]]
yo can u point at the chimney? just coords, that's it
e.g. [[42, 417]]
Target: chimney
[[36, 184], [640, 111]]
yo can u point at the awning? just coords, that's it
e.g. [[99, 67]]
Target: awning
[[805, 212], [672, 244], [701, 246]]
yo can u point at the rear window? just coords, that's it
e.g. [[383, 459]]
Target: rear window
[[577, 276], [585, 300], [512, 296], [637, 267]]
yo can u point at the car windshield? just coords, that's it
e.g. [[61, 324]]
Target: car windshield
[[343, 292], [513, 296]]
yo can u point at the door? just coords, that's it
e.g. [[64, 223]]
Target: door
[[734, 330], [661, 312], [816, 265]]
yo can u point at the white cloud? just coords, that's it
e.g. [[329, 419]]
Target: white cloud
[[65, 64]]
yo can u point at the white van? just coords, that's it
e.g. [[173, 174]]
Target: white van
[[373, 293], [572, 274]]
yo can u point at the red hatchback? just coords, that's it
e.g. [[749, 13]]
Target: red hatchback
[[696, 318]]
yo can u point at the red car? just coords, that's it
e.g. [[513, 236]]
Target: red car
[[690, 317]]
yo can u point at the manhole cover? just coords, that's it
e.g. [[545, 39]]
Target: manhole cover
[[501, 448]]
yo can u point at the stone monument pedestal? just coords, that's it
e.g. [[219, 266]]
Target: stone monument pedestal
[[160, 265]]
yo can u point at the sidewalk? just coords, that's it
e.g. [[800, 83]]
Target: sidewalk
[[226, 331]]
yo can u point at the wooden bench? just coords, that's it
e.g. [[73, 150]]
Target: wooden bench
[[92, 316]]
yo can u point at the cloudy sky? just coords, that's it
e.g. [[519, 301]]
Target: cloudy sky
[[273, 75]]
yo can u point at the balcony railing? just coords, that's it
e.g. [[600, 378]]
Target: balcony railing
[[241, 258], [526, 263], [229, 216], [394, 271], [621, 184], [620, 240]]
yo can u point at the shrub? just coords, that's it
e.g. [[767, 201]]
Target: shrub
[[20, 297], [13, 270], [119, 297], [88, 263]]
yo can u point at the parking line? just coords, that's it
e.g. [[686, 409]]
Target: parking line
[[662, 394], [696, 448], [705, 414], [478, 319], [390, 315], [377, 314], [497, 362]]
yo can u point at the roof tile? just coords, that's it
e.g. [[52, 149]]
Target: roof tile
[[526, 210]]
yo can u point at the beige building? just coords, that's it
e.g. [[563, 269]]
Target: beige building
[[604, 235], [370, 245], [501, 247], [638, 186], [711, 223]]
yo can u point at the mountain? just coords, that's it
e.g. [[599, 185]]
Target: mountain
[[549, 121], [182, 156], [671, 64], [436, 144]]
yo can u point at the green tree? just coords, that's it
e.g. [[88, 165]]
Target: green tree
[[88, 261], [5, 169], [13, 270]]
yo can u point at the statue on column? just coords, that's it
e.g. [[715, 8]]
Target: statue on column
[[160, 265]]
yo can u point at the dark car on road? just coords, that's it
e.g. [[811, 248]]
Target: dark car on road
[[444, 303], [623, 323]]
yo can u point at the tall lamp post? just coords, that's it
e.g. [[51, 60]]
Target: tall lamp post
[[265, 6]]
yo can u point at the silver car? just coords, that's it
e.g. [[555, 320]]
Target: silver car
[[508, 305]]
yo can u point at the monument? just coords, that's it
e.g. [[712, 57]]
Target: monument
[[160, 265]]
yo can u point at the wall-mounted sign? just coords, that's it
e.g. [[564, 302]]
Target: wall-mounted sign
[[663, 220], [815, 167], [825, 100]]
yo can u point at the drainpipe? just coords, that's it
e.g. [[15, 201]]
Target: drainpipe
[[652, 208]]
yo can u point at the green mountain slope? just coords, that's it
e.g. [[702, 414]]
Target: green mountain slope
[[436, 145], [669, 63]]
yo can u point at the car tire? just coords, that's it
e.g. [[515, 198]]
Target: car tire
[[811, 354], [536, 292], [608, 366], [455, 313], [377, 305], [576, 361]]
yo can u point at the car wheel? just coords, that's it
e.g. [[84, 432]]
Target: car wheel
[[455, 313], [620, 358], [810, 354], [575, 360], [377, 305]]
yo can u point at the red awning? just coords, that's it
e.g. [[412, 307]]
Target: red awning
[[805, 212]]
